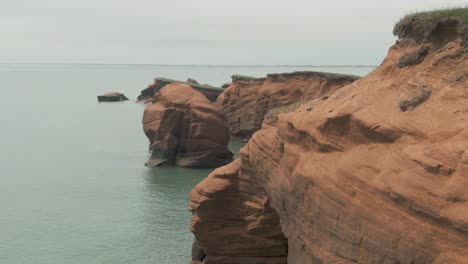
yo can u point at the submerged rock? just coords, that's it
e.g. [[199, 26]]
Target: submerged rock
[[185, 129], [112, 97], [357, 179]]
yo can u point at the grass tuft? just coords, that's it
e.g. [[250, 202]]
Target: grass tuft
[[419, 25], [437, 15]]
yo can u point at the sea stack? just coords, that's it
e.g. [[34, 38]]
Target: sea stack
[[247, 100], [375, 173], [112, 97], [185, 129]]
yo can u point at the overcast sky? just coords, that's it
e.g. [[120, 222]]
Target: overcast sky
[[241, 32]]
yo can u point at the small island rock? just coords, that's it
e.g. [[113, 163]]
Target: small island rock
[[112, 97]]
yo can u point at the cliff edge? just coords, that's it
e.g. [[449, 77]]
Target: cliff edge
[[375, 173]]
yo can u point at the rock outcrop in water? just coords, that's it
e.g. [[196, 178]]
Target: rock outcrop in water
[[185, 129], [375, 173], [112, 97], [147, 95], [247, 100]]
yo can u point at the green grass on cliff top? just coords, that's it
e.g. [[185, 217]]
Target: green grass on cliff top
[[435, 15], [194, 85], [328, 75], [333, 76]]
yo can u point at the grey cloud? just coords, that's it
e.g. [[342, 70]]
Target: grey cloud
[[202, 31]]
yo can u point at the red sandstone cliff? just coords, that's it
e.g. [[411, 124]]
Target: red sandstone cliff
[[376, 173], [247, 100], [185, 129]]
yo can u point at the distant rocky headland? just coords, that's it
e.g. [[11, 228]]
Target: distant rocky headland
[[373, 170], [247, 100]]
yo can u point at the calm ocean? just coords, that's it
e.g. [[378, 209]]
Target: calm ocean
[[73, 187]]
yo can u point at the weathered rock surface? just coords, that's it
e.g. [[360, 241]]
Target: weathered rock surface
[[247, 100], [185, 129], [355, 178], [234, 222], [147, 94], [112, 97]]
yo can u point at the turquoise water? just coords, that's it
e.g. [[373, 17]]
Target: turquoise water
[[73, 188]]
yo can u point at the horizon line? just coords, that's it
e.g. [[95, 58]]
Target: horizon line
[[178, 65]]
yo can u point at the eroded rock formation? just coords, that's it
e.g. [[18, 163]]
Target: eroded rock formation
[[185, 129], [147, 94], [375, 173], [247, 100], [112, 97]]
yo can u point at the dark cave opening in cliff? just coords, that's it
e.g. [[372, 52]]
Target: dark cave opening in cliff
[[443, 33]]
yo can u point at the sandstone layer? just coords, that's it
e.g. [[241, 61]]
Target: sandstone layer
[[375, 173], [247, 100], [185, 129], [147, 95]]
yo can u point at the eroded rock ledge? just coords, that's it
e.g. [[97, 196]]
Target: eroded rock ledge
[[185, 129], [247, 100], [355, 178]]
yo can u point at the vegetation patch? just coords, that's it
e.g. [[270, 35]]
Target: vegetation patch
[[437, 15], [415, 99], [278, 76], [194, 85], [327, 75], [238, 77], [437, 26], [413, 58]]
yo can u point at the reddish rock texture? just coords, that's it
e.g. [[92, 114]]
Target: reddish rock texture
[[147, 94], [247, 100], [234, 222], [185, 129], [376, 173]]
